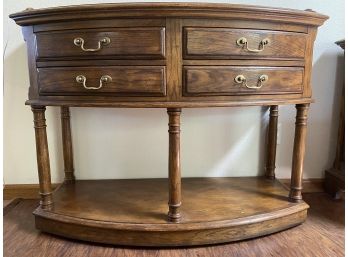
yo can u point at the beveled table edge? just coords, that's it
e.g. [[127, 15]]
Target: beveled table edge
[[169, 9], [154, 104], [295, 208]]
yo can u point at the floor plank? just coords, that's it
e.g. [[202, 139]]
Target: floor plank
[[9, 204], [321, 235]]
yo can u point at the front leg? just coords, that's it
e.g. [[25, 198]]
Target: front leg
[[298, 152], [43, 161], [174, 165]]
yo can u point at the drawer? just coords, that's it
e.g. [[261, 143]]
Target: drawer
[[237, 80], [121, 43], [108, 80], [225, 43]]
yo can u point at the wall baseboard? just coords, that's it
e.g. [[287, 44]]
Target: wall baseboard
[[310, 185], [24, 191], [31, 191]]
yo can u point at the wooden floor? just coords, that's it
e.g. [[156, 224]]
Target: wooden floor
[[321, 235]]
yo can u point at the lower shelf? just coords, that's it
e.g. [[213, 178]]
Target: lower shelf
[[133, 212]]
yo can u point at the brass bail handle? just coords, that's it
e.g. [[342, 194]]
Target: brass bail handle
[[243, 42], [80, 42], [241, 79], [104, 79]]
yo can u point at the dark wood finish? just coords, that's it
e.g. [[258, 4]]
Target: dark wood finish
[[335, 177], [220, 43], [43, 162], [310, 185], [321, 235], [135, 80], [335, 183], [307, 89], [298, 152], [245, 62], [9, 205], [271, 149], [221, 199], [174, 165], [30, 41], [174, 60], [339, 158], [67, 145], [180, 104], [132, 212], [31, 191], [244, 23], [170, 19], [125, 43], [156, 10], [110, 62], [341, 43], [100, 24], [174, 56], [220, 80]]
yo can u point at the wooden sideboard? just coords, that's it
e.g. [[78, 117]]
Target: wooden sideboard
[[335, 176], [173, 56]]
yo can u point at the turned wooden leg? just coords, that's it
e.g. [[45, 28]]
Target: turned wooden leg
[[298, 152], [271, 142], [43, 161], [67, 146], [174, 164]]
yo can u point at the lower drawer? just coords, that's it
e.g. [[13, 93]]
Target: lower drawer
[[240, 80], [108, 80]]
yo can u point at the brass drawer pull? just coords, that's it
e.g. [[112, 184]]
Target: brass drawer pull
[[104, 79], [80, 42], [241, 79], [243, 42]]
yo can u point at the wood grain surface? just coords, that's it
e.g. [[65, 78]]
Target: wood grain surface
[[322, 235], [156, 10], [220, 43], [145, 200], [169, 35], [138, 42], [298, 153], [126, 80], [42, 156], [68, 155], [133, 211], [174, 164], [25, 191], [168, 55], [220, 80], [271, 142]]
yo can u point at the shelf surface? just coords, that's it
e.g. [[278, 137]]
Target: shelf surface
[[139, 206]]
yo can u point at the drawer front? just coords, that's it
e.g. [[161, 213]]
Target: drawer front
[[221, 43], [120, 43], [224, 80], [109, 80]]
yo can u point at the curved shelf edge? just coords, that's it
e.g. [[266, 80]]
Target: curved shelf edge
[[168, 234]]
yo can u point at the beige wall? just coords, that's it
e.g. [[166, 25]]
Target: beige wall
[[129, 143]]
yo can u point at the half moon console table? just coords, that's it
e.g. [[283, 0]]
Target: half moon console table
[[173, 56]]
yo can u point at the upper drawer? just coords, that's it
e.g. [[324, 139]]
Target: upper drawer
[[225, 43], [108, 80], [116, 43]]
